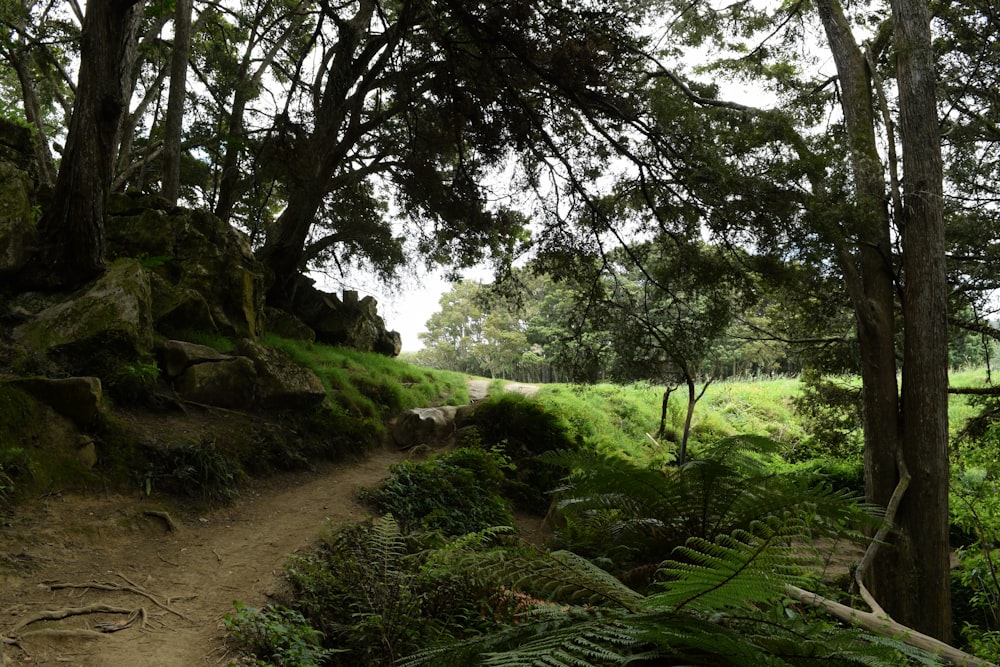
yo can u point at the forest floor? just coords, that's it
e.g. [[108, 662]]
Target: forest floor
[[99, 557]]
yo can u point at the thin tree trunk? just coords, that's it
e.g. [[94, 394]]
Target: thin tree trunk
[[174, 120]]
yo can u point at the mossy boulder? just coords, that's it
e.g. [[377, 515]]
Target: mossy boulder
[[17, 229], [349, 322], [17, 224], [281, 382], [112, 317], [194, 253], [176, 356], [76, 398], [228, 383], [40, 448]]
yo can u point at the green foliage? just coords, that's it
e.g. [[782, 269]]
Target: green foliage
[[831, 411], [722, 605], [372, 386], [276, 636], [194, 470], [132, 382], [211, 339], [975, 521], [628, 516], [377, 594], [455, 493], [521, 428]]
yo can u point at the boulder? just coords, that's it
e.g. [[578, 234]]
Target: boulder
[[177, 309], [286, 325], [229, 383], [76, 398], [281, 382], [176, 356], [424, 426], [113, 315], [353, 322], [195, 252], [17, 224]]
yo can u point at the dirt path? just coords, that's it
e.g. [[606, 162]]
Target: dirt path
[[185, 579], [192, 575]]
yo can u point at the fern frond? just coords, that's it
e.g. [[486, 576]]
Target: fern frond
[[745, 567], [558, 576]]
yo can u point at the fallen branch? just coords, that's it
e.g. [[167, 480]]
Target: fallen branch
[[873, 546], [883, 625]]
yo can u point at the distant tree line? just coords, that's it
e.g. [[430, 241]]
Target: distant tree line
[[530, 327]]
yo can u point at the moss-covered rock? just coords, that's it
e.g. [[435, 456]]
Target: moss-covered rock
[[40, 449], [281, 382], [17, 226], [112, 317], [76, 398], [230, 383], [194, 253]]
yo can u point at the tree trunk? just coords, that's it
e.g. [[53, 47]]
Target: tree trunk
[[71, 231], [923, 516], [284, 249], [174, 121]]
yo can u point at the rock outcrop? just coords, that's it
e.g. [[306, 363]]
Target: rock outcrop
[[112, 316], [252, 376], [16, 197], [206, 274], [350, 322]]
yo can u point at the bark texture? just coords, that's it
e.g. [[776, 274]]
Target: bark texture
[[71, 231], [923, 518]]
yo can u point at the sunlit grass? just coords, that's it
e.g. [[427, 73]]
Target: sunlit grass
[[373, 385]]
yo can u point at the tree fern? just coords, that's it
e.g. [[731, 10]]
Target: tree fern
[[645, 513], [720, 605], [745, 567]]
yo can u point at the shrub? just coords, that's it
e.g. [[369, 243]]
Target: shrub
[[455, 493], [522, 428], [277, 636], [831, 411], [377, 594]]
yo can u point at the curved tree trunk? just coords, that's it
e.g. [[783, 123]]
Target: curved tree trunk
[[71, 230]]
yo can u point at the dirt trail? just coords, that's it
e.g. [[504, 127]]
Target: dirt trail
[[192, 575], [185, 579]]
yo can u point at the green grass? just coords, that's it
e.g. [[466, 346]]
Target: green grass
[[625, 419], [371, 385]]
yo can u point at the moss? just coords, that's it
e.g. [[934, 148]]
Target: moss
[[31, 455]]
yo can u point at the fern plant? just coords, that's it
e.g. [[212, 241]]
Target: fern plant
[[629, 517], [722, 604]]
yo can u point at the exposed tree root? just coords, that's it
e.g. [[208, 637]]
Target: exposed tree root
[[66, 612], [129, 587]]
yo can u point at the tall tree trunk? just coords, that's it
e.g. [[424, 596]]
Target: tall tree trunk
[[868, 274], [923, 515], [71, 230], [174, 121]]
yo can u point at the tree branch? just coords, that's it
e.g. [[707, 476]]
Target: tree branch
[[884, 625]]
